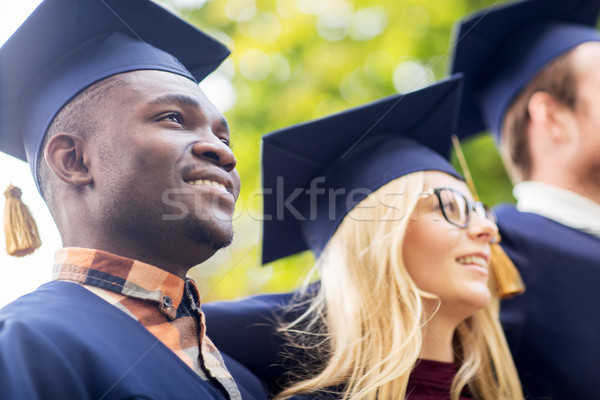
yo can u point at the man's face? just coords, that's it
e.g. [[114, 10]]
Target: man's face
[[586, 160], [165, 181]]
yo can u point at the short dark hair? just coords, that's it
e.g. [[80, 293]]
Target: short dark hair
[[79, 116], [558, 79]]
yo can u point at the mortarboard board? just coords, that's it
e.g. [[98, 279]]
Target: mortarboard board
[[358, 150], [499, 50], [67, 45]]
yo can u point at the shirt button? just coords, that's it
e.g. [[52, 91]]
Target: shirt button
[[167, 302]]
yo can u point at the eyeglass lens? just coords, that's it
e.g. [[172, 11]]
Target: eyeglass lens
[[456, 207]]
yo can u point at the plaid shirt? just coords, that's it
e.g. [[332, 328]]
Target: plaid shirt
[[167, 306]]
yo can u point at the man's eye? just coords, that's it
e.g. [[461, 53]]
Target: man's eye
[[173, 117]]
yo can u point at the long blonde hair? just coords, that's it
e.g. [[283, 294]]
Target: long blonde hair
[[369, 314]]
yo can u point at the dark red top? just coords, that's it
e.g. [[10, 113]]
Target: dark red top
[[431, 380]]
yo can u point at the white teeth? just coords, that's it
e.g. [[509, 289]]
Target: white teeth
[[207, 182], [473, 260]]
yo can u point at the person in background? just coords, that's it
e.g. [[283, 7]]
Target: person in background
[[532, 79], [405, 306], [101, 98]]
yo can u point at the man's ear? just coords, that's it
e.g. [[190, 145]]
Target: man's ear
[[553, 119], [67, 156]]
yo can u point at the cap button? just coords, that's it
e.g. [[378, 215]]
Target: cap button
[[167, 301]]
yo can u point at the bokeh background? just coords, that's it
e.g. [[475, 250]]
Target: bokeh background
[[295, 60]]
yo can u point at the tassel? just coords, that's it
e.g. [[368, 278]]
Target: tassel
[[20, 229], [508, 279]]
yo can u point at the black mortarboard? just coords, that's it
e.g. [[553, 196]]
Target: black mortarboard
[[67, 45], [499, 50], [359, 151]]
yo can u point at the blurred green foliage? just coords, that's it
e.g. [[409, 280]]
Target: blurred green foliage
[[295, 60]]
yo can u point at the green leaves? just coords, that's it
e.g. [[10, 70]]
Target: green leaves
[[294, 60]]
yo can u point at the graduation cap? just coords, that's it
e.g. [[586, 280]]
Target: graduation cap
[[66, 46], [499, 50], [357, 151]]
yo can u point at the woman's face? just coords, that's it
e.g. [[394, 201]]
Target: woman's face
[[446, 260]]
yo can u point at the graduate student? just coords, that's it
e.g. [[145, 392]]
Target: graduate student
[[532, 79], [102, 100], [406, 306]]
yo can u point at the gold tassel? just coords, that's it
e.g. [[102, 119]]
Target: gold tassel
[[20, 229], [508, 279]]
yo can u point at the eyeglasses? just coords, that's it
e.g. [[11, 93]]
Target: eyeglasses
[[456, 208]]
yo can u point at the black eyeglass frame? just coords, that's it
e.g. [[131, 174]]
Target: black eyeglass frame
[[476, 206]]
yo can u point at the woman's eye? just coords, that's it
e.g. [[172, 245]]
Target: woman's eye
[[449, 206]]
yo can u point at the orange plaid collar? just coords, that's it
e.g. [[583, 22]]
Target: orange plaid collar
[[132, 286], [125, 276]]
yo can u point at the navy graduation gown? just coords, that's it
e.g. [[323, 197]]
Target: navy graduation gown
[[248, 330], [64, 342], [553, 328]]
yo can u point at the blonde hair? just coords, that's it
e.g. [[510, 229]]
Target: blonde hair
[[369, 314]]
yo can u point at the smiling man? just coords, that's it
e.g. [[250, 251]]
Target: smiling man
[[163, 176], [135, 165]]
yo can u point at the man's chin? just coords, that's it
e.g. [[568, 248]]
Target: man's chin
[[217, 245], [208, 234]]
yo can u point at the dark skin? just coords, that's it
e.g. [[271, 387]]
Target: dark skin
[[158, 184]]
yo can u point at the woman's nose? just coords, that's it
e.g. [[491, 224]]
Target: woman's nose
[[482, 228]]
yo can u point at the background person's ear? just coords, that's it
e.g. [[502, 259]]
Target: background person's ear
[[68, 159], [554, 119]]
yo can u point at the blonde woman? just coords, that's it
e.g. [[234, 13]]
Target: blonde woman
[[406, 306]]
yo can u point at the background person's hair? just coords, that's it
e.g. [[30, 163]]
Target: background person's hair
[[366, 320], [559, 81]]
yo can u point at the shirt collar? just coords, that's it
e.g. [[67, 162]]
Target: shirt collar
[[118, 274], [560, 205]]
